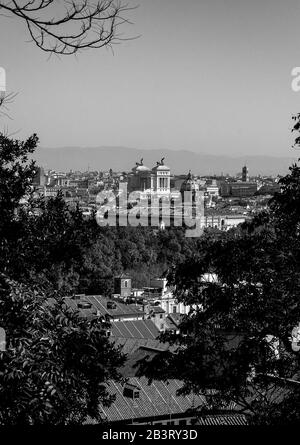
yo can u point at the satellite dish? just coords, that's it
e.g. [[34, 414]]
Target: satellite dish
[[2, 340], [2, 82]]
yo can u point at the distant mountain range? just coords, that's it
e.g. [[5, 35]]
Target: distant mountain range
[[181, 161]]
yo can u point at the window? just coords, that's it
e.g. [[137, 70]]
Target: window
[[125, 283], [182, 422], [174, 309]]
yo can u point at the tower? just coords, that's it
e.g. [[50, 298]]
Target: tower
[[122, 285], [39, 177], [245, 174]]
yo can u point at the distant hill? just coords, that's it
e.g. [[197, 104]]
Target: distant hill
[[181, 161]]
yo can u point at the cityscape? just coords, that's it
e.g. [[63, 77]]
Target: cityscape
[[150, 219], [138, 315], [228, 200]]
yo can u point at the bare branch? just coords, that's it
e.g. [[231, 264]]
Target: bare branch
[[71, 27], [5, 100]]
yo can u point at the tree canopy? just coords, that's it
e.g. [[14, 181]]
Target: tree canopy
[[235, 344], [56, 364]]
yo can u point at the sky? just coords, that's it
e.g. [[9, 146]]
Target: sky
[[210, 76]]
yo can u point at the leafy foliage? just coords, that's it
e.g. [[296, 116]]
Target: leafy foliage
[[235, 344], [56, 364]]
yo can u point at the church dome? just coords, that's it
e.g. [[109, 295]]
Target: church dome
[[189, 184]]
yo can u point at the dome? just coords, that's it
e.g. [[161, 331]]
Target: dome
[[160, 166], [142, 168], [189, 184]]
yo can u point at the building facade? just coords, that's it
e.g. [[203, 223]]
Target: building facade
[[238, 189], [155, 181]]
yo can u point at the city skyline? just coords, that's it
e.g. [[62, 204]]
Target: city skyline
[[121, 159]]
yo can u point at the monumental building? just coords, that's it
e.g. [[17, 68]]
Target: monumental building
[[155, 181]]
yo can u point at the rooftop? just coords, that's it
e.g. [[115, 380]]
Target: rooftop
[[157, 399], [137, 329], [99, 305]]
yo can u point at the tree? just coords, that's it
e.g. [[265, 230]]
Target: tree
[[71, 27], [235, 344], [49, 245], [56, 363], [16, 174], [5, 100]]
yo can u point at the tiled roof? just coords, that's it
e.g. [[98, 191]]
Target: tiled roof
[[99, 303], [124, 276], [157, 310], [222, 419], [176, 318], [73, 304], [134, 329], [130, 345], [157, 399], [169, 324], [132, 364]]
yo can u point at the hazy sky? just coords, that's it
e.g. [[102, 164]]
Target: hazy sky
[[212, 76]]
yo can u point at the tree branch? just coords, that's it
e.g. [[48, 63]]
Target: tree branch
[[76, 26]]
